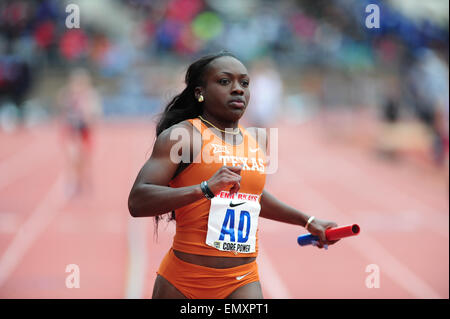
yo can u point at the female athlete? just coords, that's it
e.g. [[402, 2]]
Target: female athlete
[[212, 180]]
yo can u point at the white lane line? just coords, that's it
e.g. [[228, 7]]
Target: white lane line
[[373, 251], [137, 258], [32, 228], [137, 236], [271, 280]]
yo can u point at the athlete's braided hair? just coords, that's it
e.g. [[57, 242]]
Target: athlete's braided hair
[[184, 105]]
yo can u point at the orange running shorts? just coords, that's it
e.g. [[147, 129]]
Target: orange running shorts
[[199, 282]]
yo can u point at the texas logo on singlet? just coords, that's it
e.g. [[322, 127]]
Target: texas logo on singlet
[[233, 221]]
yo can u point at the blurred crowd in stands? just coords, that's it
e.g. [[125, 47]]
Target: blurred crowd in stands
[[318, 54]]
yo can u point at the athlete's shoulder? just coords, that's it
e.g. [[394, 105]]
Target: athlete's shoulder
[[176, 129], [183, 134]]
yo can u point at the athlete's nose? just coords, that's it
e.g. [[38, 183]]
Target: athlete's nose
[[237, 89]]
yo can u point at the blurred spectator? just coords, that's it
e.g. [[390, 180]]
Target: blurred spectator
[[73, 44], [80, 107], [328, 39], [429, 86], [267, 93], [15, 84]]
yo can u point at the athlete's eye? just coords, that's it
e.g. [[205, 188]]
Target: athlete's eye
[[224, 81], [245, 83]]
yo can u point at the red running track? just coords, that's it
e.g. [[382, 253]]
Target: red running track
[[402, 209]]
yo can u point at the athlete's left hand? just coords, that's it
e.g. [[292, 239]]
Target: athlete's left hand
[[318, 227]]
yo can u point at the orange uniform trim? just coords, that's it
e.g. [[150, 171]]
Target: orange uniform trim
[[199, 282]]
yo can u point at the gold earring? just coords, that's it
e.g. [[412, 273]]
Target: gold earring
[[200, 98]]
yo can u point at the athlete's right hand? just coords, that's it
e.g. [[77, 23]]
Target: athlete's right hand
[[226, 178]]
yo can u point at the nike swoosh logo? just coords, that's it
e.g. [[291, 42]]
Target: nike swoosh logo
[[237, 204], [242, 277]]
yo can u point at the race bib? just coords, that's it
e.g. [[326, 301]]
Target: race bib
[[233, 221]]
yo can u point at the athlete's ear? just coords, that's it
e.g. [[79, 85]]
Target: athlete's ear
[[198, 91]]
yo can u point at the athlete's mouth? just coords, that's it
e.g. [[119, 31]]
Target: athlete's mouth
[[238, 103]]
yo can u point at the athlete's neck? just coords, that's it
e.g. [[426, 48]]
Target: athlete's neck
[[223, 125]]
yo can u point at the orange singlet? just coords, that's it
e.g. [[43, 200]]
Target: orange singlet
[[225, 226]]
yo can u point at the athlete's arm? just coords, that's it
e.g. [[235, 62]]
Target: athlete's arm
[[150, 195], [274, 209]]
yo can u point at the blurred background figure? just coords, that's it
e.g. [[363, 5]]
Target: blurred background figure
[[428, 79], [266, 93], [15, 85], [80, 109], [390, 112]]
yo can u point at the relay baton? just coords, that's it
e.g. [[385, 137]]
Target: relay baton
[[331, 234]]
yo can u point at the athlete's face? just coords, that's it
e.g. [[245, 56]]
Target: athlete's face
[[226, 92]]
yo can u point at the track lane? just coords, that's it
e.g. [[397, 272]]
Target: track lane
[[93, 231]]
